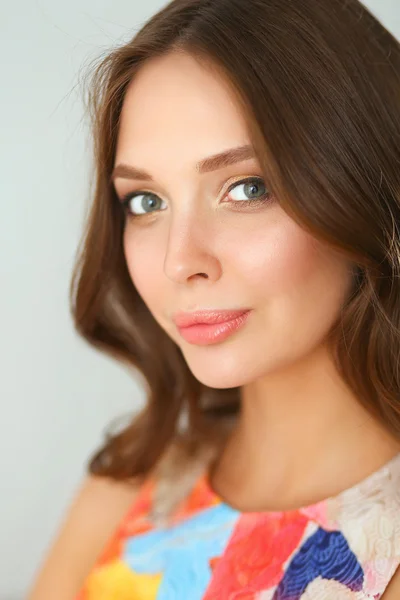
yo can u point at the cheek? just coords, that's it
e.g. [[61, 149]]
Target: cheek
[[298, 284], [141, 259], [276, 258]]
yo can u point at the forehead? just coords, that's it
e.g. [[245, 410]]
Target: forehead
[[176, 106]]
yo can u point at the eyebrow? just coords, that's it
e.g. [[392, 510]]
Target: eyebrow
[[212, 163]]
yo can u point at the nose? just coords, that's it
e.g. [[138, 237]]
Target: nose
[[189, 254]]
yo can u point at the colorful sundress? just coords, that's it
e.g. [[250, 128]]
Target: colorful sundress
[[344, 548]]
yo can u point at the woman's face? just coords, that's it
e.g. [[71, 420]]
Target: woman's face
[[197, 239]]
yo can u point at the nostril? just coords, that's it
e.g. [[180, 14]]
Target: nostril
[[203, 275]]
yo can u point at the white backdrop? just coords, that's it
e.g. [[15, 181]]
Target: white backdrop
[[56, 394]]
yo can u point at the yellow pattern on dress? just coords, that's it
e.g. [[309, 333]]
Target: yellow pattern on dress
[[116, 581]]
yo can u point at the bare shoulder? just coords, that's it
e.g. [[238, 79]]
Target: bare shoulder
[[392, 592], [94, 514]]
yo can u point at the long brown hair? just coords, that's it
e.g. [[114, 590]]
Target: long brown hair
[[319, 83]]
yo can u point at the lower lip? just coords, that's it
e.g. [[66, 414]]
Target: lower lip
[[203, 334]]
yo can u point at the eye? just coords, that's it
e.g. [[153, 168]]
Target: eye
[[141, 203], [251, 189]]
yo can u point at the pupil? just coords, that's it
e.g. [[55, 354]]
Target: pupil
[[251, 189], [149, 202]]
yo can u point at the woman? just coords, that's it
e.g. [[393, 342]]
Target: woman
[[242, 254]]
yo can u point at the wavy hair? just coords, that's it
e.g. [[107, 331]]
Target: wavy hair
[[319, 85]]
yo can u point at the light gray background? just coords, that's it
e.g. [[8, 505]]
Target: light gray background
[[56, 393]]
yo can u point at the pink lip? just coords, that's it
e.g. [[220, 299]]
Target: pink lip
[[209, 327]]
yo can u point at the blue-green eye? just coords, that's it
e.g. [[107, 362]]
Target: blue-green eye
[[250, 189], [141, 203]]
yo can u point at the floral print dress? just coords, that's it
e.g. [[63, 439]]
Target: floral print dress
[[343, 548]]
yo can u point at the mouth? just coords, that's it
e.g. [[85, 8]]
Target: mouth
[[210, 327]]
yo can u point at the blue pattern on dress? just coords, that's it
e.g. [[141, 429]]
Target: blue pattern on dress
[[324, 554], [182, 552]]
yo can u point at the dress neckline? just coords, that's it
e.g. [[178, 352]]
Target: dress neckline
[[382, 487]]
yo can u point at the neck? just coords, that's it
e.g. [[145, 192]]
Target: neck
[[302, 436]]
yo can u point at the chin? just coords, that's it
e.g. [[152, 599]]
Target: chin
[[218, 382], [220, 372]]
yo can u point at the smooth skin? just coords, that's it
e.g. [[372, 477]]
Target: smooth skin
[[95, 513], [192, 244]]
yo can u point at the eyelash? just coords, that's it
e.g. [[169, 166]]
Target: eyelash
[[254, 202]]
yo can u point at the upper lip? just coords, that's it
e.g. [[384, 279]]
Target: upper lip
[[210, 317]]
